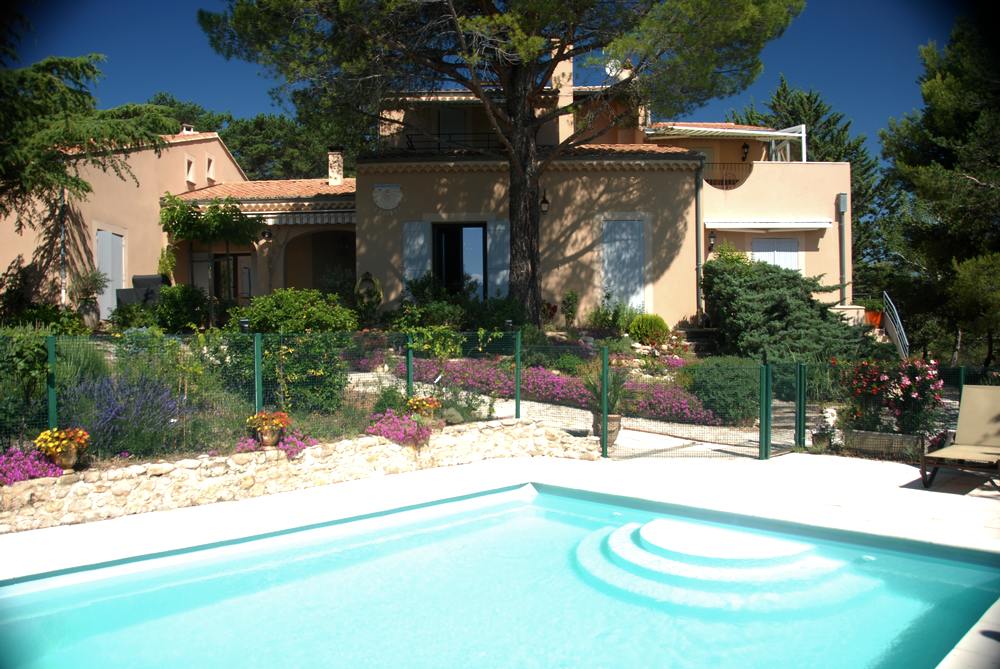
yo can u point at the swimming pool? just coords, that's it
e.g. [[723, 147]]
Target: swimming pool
[[524, 577]]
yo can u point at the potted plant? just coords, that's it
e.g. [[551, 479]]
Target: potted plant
[[84, 289], [824, 430], [873, 311], [617, 394], [269, 426], [63, 446]]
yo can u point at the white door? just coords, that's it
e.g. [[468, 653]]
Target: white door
[[780, 252], [110, 261], [624, 259]]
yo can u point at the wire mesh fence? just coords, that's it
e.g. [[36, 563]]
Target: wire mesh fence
[[146, 394]]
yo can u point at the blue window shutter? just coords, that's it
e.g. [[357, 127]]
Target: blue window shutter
[[498, 258], [624, 262], [417, 254]]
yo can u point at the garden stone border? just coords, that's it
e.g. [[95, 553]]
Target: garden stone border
[[88, 495]]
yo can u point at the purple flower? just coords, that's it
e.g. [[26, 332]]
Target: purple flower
[[17, 465], [247, 445], [400, 428], [295, 442]]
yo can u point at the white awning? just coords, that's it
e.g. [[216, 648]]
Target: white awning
[[768, 226]]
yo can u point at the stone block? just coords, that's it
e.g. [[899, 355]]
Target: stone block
[[160, 468]]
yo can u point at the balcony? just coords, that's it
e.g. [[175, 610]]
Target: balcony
[[447, 142]]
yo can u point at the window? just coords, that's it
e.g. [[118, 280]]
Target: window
[[459, 251], [210, 168], [189, 169], [780, 252]]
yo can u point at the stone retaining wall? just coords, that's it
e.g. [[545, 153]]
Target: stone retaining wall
[[96, 494]]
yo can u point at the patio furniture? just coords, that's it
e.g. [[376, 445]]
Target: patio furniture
[[976, 446]]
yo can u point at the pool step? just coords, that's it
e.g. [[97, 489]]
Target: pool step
[[711, 544], [616, 558], [624, 551]]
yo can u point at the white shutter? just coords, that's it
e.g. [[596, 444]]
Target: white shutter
[[497, 258], [780, 252], [624, 261], [416, 249]]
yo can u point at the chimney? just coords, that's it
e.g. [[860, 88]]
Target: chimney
[[187, 129], [335, 166]]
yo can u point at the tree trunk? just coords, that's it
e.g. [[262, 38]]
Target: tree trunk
[[958, 348], [988, 360], [523, 202]]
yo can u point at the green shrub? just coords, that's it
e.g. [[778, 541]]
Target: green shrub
[[567, 363], [569, 305], [79, 360], [494, 313], [649, 329], [729, 387], [611, 315], [23, 373], [757, 308], [391, 397], [126, 316], [181, 308], [436, 313], [616, 344], [55, 319], [294, 310]]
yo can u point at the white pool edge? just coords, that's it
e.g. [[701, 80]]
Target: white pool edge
[[67, 547]]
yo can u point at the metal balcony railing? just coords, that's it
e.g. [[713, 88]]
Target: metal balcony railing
[[726, 176], [453, 141]]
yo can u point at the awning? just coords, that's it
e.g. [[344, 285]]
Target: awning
[[769, 226]]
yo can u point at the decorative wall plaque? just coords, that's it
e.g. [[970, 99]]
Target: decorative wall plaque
[[387, 196]]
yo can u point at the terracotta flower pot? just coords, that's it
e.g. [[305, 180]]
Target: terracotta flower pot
[[614, 426], [873, 318], [820, 441], [66, 458], [269, 437]]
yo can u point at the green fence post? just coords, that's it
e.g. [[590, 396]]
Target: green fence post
[[517, 374], [50, 382], [604, 401], [258, 372], [409, 365], [800, 405], [961, 380], [764, 428]]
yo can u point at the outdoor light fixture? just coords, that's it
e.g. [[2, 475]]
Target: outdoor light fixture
[[544, 204], [266, 235], [746, 151], [711, 241], [244, 325]]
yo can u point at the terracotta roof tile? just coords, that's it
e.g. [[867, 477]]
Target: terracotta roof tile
[[189, 136], [696, 124], [626, 149], [278, 189]]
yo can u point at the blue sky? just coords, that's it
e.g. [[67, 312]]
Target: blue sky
[[861, 56]]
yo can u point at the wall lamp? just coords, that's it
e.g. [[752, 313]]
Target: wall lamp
[[746, 151], [711, 241], [267, 234], [544, 204]]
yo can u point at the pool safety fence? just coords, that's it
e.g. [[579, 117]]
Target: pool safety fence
[[143, 393]]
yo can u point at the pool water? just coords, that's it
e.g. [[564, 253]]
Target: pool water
[[529, 577]]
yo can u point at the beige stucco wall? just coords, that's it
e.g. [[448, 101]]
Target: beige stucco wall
[[570, 233], [778, 191], [124, 207]]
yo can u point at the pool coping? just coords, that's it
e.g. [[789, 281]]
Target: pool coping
[[909, 515]]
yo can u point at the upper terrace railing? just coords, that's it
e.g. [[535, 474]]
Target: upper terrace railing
[[726, 176], [452, 141]]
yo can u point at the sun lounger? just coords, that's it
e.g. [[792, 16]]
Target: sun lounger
[[977, 440]]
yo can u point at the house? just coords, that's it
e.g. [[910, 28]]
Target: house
[[634, 213], [116, 228]]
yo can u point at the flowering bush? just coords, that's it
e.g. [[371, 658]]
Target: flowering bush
[[826, 422], [904, 397], [17, 465], [57, 441], [400, 428], [295, 442], [136, 414], [292, 444], [425, 406], [669, 403], [269, 420]]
